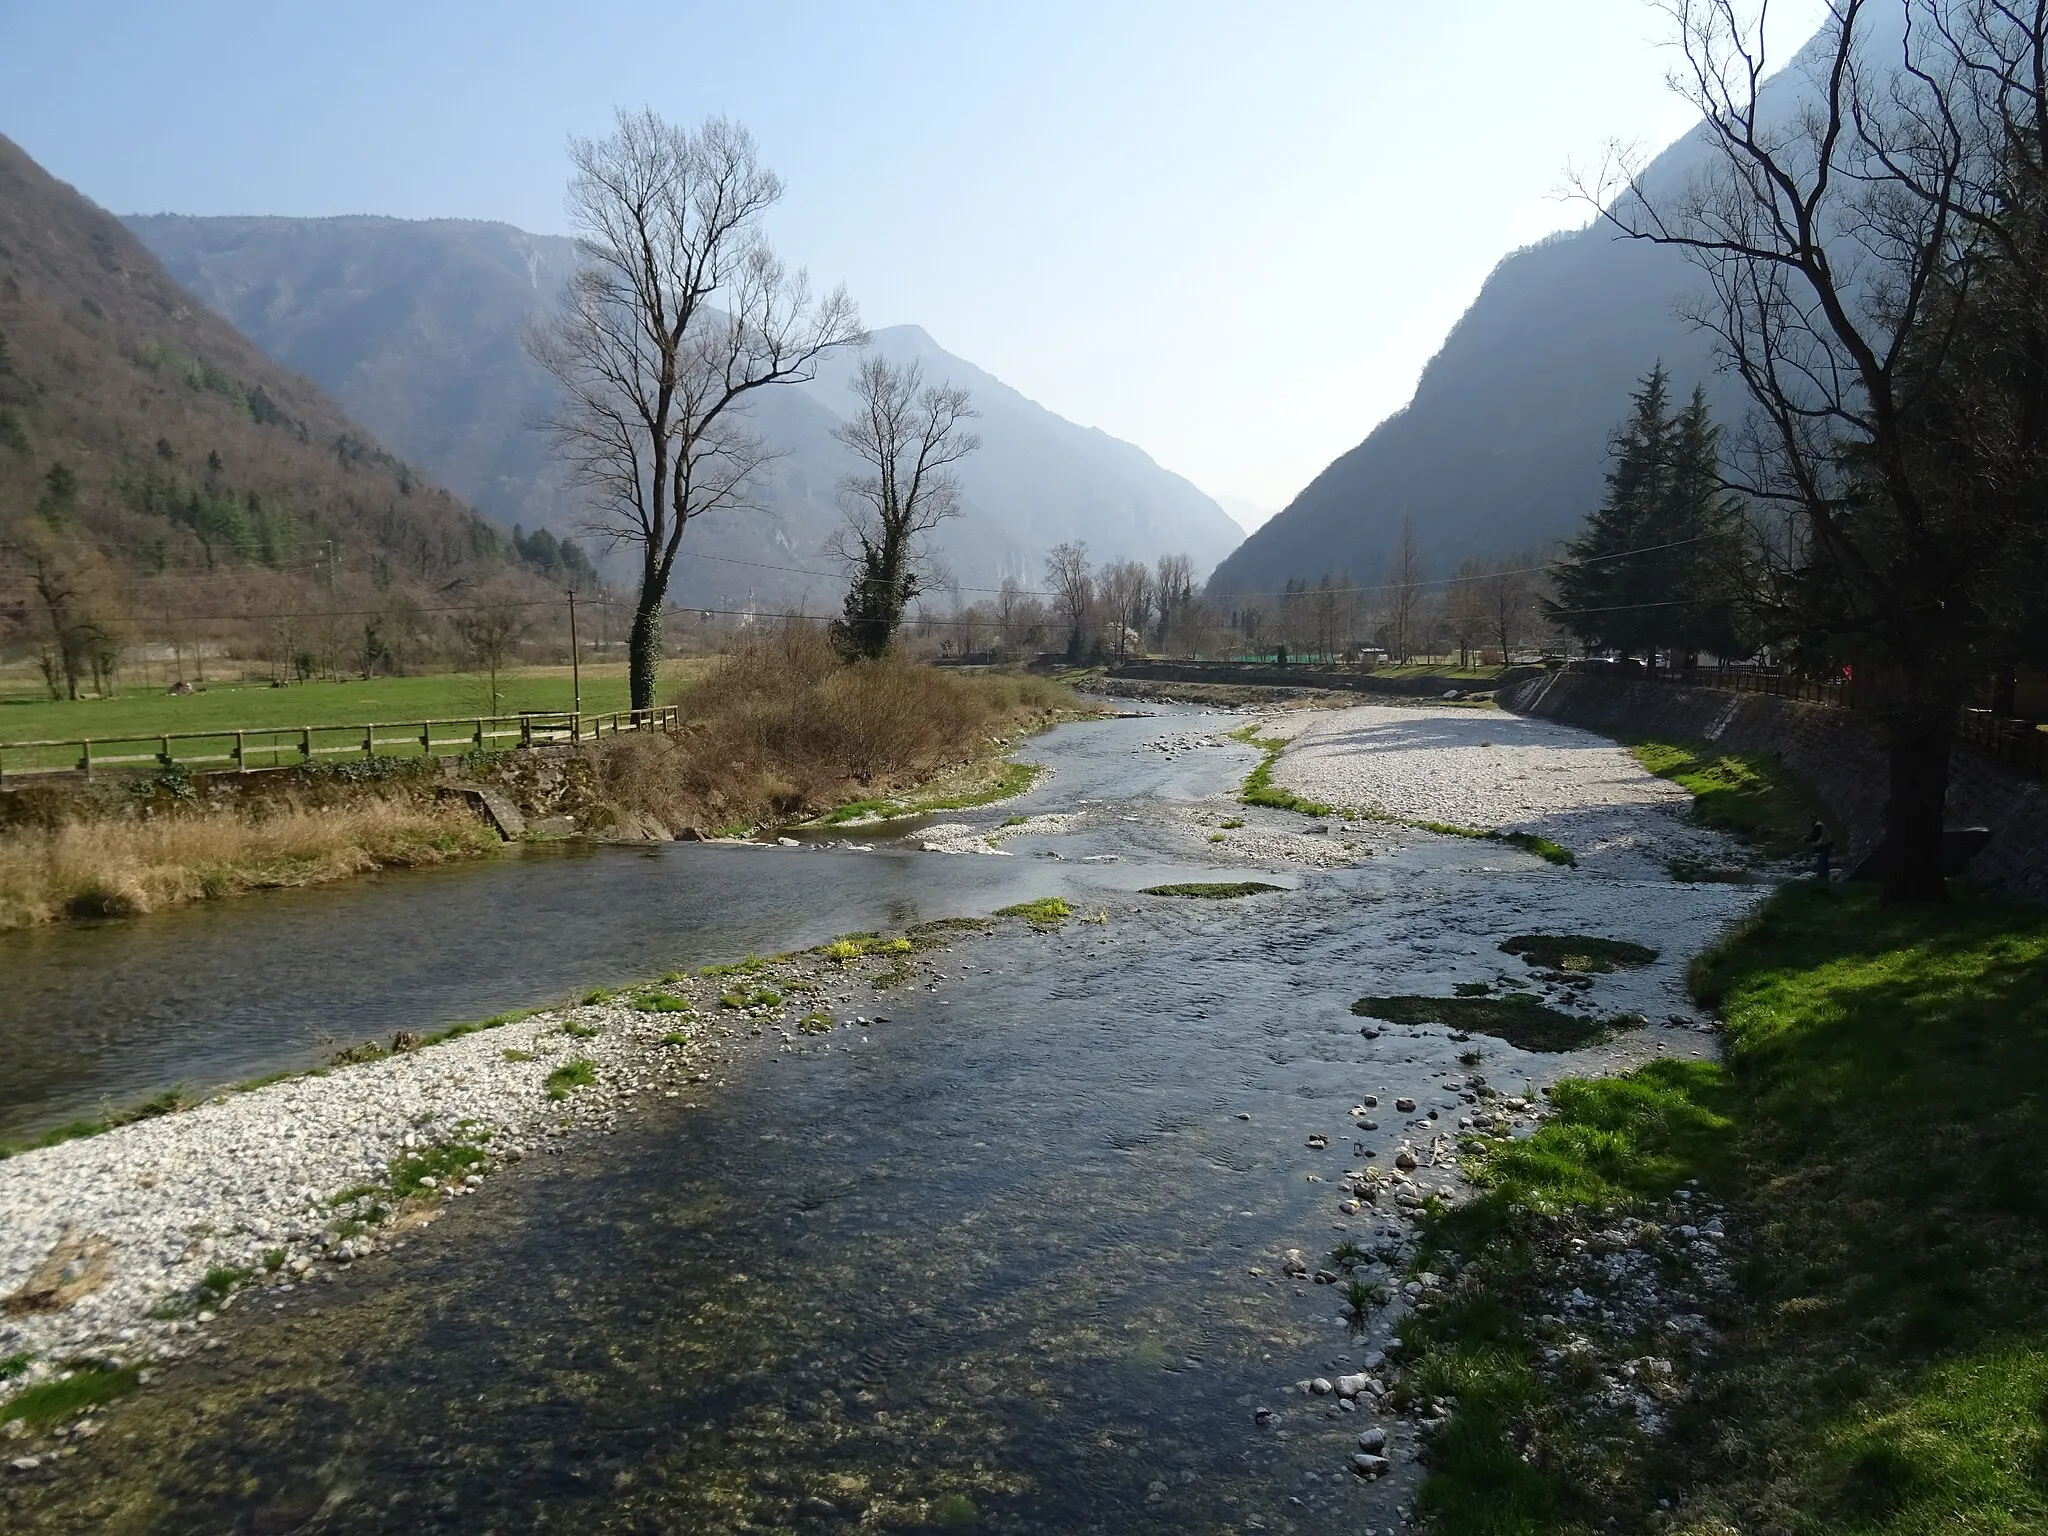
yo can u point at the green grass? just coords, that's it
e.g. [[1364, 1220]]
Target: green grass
[[55, 1401], [1522, 1021], [170, 1101], [1212, 890], [1577, 952], [1881, 1138], [1014, 779], [1046, 912], [569, 1076], [446, 1161], [576, 1031], [854, 946], [746, 967], [1751, 795]]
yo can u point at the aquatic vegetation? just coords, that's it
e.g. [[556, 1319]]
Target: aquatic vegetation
[[1046, 912], [815, 1023], [1348, 1255], [1520, 1020], [1690, 871], [746, 967], [1259, 788], [854, 946], [1472, 988], [1217, 890], [1359, 1300], [1577, 952], [598, 995]]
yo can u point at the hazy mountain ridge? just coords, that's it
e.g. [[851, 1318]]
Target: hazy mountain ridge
[[415, 325]]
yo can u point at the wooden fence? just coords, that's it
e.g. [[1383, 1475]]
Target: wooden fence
[[256, 748]]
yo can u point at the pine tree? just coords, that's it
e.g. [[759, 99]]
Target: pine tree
[[1604, 593]]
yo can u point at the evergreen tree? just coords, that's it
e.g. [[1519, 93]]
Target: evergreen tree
[[1604, 592], [1661, 565]]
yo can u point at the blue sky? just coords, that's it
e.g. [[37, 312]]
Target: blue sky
[[1230, 233]]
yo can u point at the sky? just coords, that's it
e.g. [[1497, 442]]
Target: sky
[[1231, 234]]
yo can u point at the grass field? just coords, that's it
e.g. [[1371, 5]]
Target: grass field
[[1880, 1139], [454, 696]]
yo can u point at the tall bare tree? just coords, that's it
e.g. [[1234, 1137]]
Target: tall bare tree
[[1465, 608], [907, 435], [1877, 272], [1126, 587], [1507, 597], [677, 314], [1072, 584], [1407, 573], [1173, 589]]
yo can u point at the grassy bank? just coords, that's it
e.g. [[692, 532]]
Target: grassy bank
[[121, 867], [1750, 795], [1879, 1139]]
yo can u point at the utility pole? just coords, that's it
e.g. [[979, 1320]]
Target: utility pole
[[575, 657]]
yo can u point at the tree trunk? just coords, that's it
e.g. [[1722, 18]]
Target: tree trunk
[[1914, 811], [643, 646]]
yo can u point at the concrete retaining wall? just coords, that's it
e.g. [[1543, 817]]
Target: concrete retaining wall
[[1839, 753]]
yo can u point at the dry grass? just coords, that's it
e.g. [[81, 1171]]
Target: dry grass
[[122, 867], [783, 728]]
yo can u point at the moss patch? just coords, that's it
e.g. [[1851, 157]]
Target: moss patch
[[1046, 912], [1577, 952], [1522, 1022], [1215, 890]]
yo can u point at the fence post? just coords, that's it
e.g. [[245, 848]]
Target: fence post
[[479, 736], [164, 750], [241, 754], [426, 738], [86, 761], [369, 741], [306, 742], [525, 731]]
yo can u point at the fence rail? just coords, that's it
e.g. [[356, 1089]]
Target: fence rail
[[2021, 745], [252, 749]]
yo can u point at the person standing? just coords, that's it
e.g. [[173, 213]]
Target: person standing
[[1823, 848]]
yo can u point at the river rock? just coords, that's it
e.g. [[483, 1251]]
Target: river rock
[[1371, 1466], [1320, 1386], [1351, 1386], [1373, 1440]]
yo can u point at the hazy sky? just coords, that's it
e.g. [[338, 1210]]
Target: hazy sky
[[1230, 233]]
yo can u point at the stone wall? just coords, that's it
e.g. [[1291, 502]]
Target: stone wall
[[1270, 676], [1837, 752]]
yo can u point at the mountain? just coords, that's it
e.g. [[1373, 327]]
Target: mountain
[[415, 326], [1244, 512], [153, 460], [1504, 444]]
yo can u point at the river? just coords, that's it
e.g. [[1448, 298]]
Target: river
[[1014, 1265]]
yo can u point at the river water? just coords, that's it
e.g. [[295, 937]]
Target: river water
[[104, 1014], [1011, 1266]]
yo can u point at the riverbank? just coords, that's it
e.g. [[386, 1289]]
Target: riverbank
[[773, 734], [1867, 1349], [124, 1246]]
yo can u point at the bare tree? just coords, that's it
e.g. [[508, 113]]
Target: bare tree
[[907, 435], [1126, 589], [1173, 591], [492, 630], [1507, 597], [677, 314], [1072, 584], [1011, 607], [1406, 575], [1877, 274], [1465, 608]]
